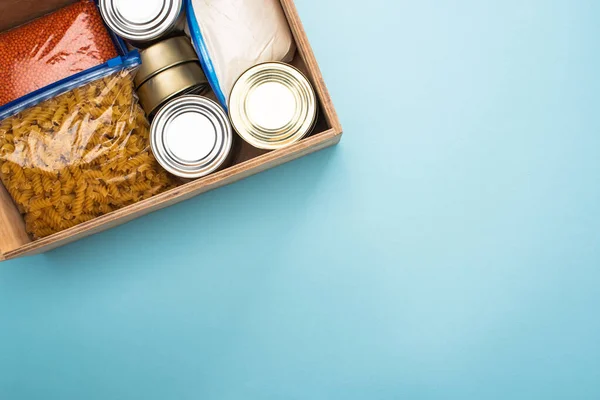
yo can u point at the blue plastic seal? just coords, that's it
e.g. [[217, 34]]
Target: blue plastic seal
[[203, 55]]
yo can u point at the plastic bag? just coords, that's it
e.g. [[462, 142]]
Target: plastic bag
[[233, 36], [80, 155], [51, 48]]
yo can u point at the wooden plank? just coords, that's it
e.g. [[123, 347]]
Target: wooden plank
[[312, 66], [180, 194]]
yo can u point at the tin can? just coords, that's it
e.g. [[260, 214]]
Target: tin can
[[272, 106], [170, 68], [164, 55], [142, 22], [191, 137]]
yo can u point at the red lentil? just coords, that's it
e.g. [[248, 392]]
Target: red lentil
[[52, 48]]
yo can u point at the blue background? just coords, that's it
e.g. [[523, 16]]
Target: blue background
[[448, 248]]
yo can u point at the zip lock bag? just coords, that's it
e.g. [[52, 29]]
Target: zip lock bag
[[54, 53], [80, 155], [79, 147]]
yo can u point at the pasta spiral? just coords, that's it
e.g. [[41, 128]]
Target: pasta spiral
[[80, 155]]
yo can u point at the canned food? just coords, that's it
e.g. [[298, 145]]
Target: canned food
[[272, 106], [142, 22], [164, 55], [191, 137], [169, 69]]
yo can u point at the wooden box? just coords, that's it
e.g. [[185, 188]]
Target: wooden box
[[14, 241]]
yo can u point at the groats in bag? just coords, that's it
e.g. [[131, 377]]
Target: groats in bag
[[79, 155], [235, 35], [51, 48]]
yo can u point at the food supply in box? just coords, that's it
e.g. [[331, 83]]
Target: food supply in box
[[244, 159]]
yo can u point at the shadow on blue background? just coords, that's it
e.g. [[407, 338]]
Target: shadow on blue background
[[447, 248]]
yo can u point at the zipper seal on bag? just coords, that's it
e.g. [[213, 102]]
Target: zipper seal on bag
[[202, 50], [116, 64]]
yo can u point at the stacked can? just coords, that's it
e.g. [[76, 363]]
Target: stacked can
[[169, 69], [271, 106]]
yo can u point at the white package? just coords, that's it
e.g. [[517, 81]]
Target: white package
[[232, 36]]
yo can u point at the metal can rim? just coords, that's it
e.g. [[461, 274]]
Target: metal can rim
[[158, 130], [138, 32], [264, 141], [153, 99], [154, 64]]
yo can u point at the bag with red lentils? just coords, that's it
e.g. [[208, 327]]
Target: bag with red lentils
[[47, 50]]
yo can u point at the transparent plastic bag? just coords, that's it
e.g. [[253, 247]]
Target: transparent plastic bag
[[80, 155], [51, 48]]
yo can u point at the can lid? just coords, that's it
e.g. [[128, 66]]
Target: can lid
[[141, 20], [272, 105], [164, 55], [191, 137]]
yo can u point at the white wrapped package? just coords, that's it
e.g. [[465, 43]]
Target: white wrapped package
[[231, 36]]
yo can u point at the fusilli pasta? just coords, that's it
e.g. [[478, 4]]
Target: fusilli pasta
[[80, 155]]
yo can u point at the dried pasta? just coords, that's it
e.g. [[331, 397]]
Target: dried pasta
[[80, 155]]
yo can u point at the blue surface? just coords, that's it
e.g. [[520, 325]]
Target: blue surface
[[449, 248]]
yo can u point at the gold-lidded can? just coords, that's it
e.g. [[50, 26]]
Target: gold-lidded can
[[170, 68], [272, 106]]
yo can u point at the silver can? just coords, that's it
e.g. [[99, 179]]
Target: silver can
[[272, 106], [170, 68], [143, 22], [191, 137]]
